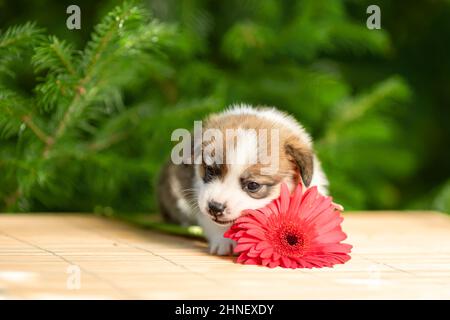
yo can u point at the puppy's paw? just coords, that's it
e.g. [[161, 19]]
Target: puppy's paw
[[221, 246]]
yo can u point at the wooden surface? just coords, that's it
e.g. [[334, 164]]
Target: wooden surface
[[396, 256]]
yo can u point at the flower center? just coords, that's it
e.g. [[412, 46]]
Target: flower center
[[292, 239], [289, 239]]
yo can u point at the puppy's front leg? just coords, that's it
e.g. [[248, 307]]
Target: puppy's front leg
[[214, 234]]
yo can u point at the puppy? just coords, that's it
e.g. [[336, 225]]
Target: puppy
[[223, 177]]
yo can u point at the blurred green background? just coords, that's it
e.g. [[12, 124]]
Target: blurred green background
[[86, 115]]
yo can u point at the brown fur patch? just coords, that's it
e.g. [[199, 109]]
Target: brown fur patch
[[295, 155]]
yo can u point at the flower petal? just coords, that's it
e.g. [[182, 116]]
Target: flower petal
[[266, 253], [252, 253], [262, 245], [284, 198], [242, 257], [285, 262], [250, 226], [246, 239], [296, 200], [260, 217], [265, 262], [274, 264], [257, 233], [335, 235], [251, 261], [248, 219], [243, 247]]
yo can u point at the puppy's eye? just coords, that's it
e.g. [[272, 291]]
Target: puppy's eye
[[253, 186], [210, 173]]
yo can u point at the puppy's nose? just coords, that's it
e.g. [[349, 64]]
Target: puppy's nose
[[215, 208]]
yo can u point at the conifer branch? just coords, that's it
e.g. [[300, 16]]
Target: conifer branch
[[54, 55], [70, 68], [102, 145], [95, 58], [18, 35], [16, 108], [89, 70], [37, 130], [355, 109]]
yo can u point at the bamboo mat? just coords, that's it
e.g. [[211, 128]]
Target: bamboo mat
[[43, 256]]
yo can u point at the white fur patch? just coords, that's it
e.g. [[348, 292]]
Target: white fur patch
[[271, 114], [238, 154]]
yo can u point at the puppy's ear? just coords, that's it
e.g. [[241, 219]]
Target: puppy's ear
[[303, 157]]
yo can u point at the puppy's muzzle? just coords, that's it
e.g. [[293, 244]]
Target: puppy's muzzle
[[216, 209]]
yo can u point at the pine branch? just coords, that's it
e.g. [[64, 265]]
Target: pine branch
[[12, 109], [14, 41], [67, 115], [57, 58], [54, 55], [112, 26], [113, 42], [19, 35], [104, 35], [105, 144], [54, 90], [390, 90], [14, 112], [37, 130]]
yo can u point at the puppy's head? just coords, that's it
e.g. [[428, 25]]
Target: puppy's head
[[225, 188]]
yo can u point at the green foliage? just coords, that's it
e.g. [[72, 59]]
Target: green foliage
[[14, 41], [442, 200], [90, 128], [58, 131], [362, 128]]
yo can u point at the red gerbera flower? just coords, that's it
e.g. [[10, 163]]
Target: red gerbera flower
[[298, 231]]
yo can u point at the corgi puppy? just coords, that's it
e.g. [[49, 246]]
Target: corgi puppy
[[238, 163]]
